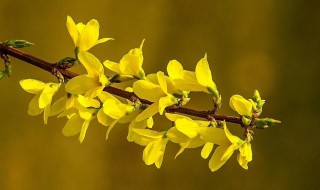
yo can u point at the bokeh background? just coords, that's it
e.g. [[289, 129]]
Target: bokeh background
[[269, 45]]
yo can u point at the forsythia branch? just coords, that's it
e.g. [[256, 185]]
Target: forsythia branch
[[52, 67]]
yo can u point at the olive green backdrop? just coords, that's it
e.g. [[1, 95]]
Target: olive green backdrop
[[269, 45]]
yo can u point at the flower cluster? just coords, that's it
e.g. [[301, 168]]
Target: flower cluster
[[85, 100]]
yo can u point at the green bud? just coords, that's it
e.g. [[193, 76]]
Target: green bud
[[17, 43], [265, 122], [256, 96], [245, 120], [66, 63]]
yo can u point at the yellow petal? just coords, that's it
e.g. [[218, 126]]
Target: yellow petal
[[176, 136], [103, 96], [151, 153], [113, 66], [143, 88], [203, 74], [144, 136], [72, 29], [214, 135], [186, 85], [187, 127], [148, 112], [216, 162], [206, 150], [46, 95], [196, 142], [33, 108], [58, 106], [83, 131], [114, 109], [174, 117], [102, 40], [183, 147], [246, 151], [88, 102], [241, 105], [32, 86], [131, 63], [110, 128], [162, 81], [73, 126], [233, 139], [89, 35], [81, 84], [103, 118], [91, 63], [175, 70], [165, 102]]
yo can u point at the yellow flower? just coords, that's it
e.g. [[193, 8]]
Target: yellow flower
[[130, 66], [154, 89], [44, 92], [80, 116], [200, 80], [91, 84], [186, 132], [243, 107], [155, 143], [113, 111], [228, 143], [85, 36]]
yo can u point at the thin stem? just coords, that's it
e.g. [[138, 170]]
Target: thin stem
[[51, 67]]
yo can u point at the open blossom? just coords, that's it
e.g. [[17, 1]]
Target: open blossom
[[91, 84], [200, 80], [155, 143], [44, 92], [130, 66], [162, 98], [79, 116], [243, 107], [228, 143], [85, 36]]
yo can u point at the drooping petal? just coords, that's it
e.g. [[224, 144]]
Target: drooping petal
[[187, 127], [73, 126], [103, 118], [89, 35], [162, 81], [46, 113], [151, 153], [33, 108], [143, 88], [144, 136], [176, 136], [183, 147], [72, 29], [110, 128], [32, 86], [214, 135], [46, 95], [241, 105], [206, 150], [233, 139], [81, 84], [216, 162], [91, 63], [58, 106], [148, 112], [84, 129]]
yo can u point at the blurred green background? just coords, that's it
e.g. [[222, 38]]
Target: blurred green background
[[269, 45]]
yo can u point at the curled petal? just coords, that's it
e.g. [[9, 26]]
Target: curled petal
[[216, 162], [73, 126], [203, 74], [148, 112], [175, 70], [32, 86], [33, 108], [206, 150], [241, 105]]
